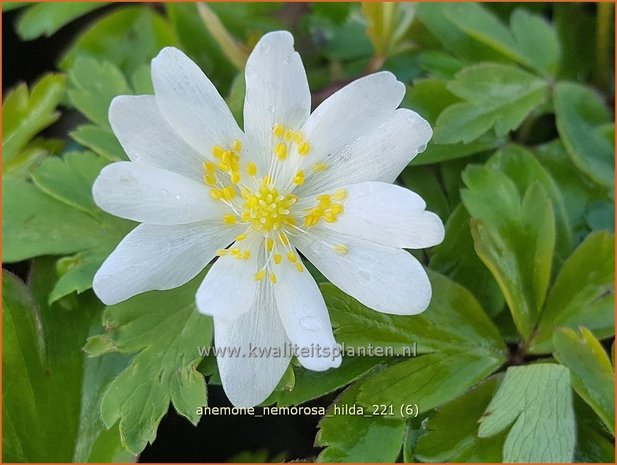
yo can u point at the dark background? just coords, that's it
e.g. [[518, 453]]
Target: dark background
[[216, 438]]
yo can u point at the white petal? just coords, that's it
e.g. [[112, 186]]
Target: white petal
[[277, 92], [229, 288], [146, 137], [380, 154], [305, 317], [143, 193], [190, 103], [250, 377], [389, 215], [352, 112], [158, 257], [383, 278]]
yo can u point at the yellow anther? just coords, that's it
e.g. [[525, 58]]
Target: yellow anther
[[340, 194], [281, 151], [292, 257], [251, 168], [210, 180], [336, 209], [260, 275], [283, 238], [240, 237], [209, 167], [278, 258], [229, 219], [236, 146], [319, 167], [298, 179], [221, 252], [217, 151], [216, 194], [299, 267], [298, 138], [289, 135], [341, 249], [246, 254], [222, 166], [269, 245], [235, 178], [273, 279], [304, 148], [278, 130], [228, 193], [266, 181]]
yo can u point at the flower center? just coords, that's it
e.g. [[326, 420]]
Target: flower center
[[266, 209]]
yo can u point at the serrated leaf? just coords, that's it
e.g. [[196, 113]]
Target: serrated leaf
[[44, 19], [92, 86], [580, 114], [27, 112], [514, 236], [537, 401], [583, 293], [129, 37], [496, 97], [165, 331], [452, 432], [50, 391], [454, 319], [356, 437], [593, 375]]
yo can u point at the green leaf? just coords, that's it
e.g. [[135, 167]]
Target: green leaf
[[514, 236], [44, 19], [496, 97], [593, 375], [601, 216], [92, 86], [593, 443], [129, 37], [76, 273], [430, 380], [69, 179], [456, 258], [26, 113], [423, 181], [355, 437], [583, 293], [99, 139], [439, 64], [524, 169], [531, 40], [436, 18], [580, 115], [537, 401], [452, 433], [310, 385], [50, 390], [164, 331], [453, 320]]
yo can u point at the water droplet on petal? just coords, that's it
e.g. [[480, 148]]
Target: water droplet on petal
[[422, 148], [165, 192]]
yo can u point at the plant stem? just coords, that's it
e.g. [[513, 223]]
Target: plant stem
[[603, 41]]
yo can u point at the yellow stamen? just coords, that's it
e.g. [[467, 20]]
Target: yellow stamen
[[341, 249], [260, 275], [229, 219]]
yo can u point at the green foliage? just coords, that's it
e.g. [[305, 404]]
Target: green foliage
[[536, 401], [166, 344], [25, 113], [44, 19], [593, 374], [354, 437], [452, 433], [520, 170], [51, 391]]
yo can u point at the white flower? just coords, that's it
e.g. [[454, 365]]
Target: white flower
[[292, 182]]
